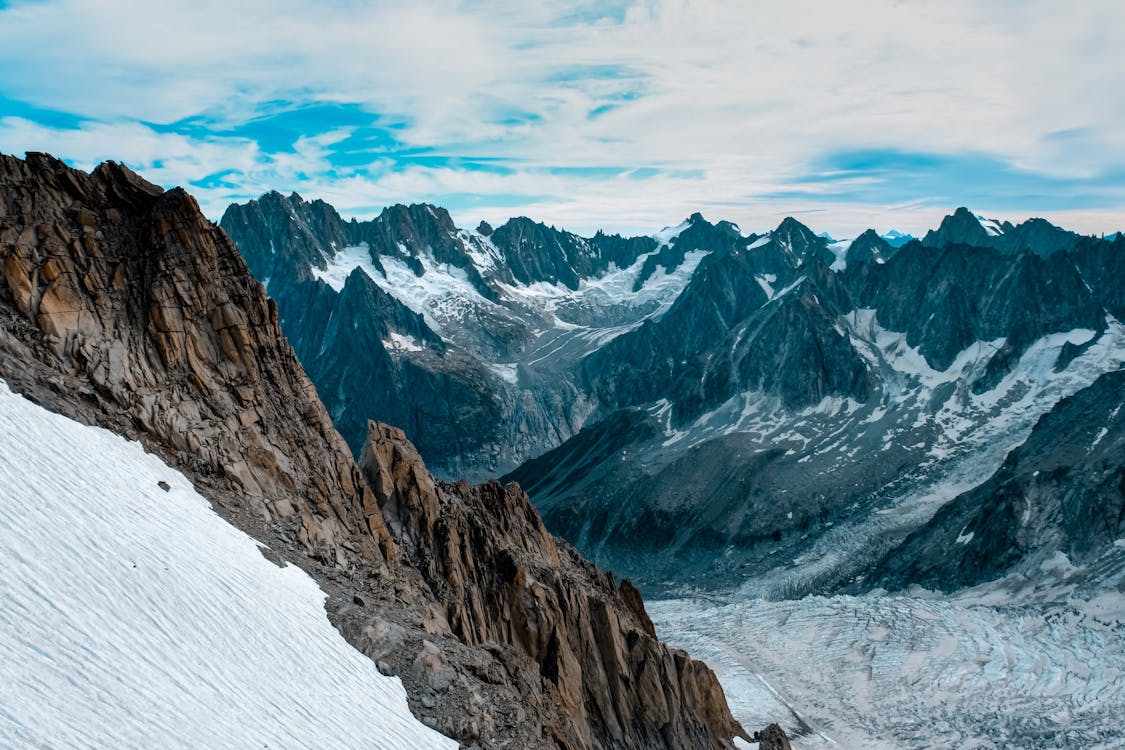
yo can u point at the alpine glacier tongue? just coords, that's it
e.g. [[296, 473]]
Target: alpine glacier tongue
[[888, 672], [136, 617]]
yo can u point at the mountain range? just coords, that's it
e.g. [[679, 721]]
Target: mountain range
[[703, 406], [903, 456]]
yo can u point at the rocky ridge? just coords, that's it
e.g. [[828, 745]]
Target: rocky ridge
[[102, 279], [503, 578], [1036, 235], [121, 306]]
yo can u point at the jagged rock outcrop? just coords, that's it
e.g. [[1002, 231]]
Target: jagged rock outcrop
[[772, 738], [758, 314], [142, 309], [503, 578], [535, 252], [121, 306]]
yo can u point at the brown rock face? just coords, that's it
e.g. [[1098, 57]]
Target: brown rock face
[[133, 297], [772, 738], [122, 306], [502, 577]]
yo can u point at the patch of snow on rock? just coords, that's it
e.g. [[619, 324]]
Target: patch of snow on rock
[[840, 250], [397, 342], [341, 265], [991, 226]]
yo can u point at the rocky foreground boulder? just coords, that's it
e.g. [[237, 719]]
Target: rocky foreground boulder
[[122, 306]]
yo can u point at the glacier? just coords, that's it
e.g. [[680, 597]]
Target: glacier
[[1033, 660], [137, 617], [977, 669]]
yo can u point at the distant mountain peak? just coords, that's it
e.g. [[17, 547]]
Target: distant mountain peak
[[962, 227], [417, 213], [896, 238], [789, 224], [1036, 235], [870, 246], [796, 236]]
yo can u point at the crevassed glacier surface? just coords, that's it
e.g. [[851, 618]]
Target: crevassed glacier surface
[[986, 668]]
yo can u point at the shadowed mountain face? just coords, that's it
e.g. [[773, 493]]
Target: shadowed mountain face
[[732, 330], [1062, 490], [122, 306], [704, 405], [762, 424], [1037, 236]]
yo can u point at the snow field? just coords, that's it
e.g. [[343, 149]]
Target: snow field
[[138, 618]]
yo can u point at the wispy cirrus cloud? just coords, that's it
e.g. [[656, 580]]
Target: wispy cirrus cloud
[[625, 115]]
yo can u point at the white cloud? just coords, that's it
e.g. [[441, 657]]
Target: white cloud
[[166, 158], [748, 95]]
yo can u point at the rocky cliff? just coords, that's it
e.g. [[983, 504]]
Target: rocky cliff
[[121, 306], [503, 578], [130, 307]]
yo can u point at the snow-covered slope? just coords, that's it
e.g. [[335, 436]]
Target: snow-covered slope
[[136, 617]]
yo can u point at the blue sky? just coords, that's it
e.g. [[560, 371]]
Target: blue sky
[[622, 115]]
